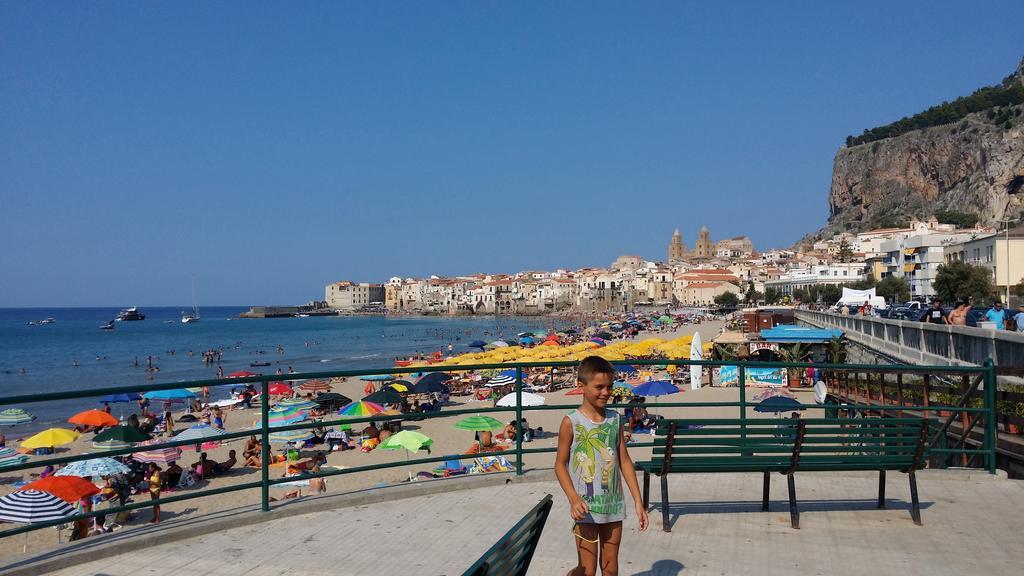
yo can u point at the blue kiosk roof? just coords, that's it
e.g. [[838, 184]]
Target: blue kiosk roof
[[793, 333]]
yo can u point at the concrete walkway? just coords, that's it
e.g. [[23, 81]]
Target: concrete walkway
[[972, 525]]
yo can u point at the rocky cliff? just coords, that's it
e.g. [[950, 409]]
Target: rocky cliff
[[974, 165]]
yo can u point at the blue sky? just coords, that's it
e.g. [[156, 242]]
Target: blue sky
[[270, 149]]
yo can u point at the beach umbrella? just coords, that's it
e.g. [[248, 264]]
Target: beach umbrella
[[157, 455], [384, 396], [501, 380], [529, 399], [624, 369], [478, 423], [279, 389], [575, 392], [296, 404], [598, 341], [778, 404], [655, 388], [281, 417], [129, 434], [14, 416], [97, 418], [315, 386], [287, 436], [200, 433], [174, 395], [242, 374], [429, 386], [377, 377], [119, 398], [410, 440], [50, 438], [11, 457], [110, 445], [67, 488], [477, 344], [332, 400], [438, 377], [94, 467], [398, 387], [526, 340], [498, 344], [31, 506], [361, 408]]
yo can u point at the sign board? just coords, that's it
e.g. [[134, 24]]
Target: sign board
[[760, 377], [757, 346]]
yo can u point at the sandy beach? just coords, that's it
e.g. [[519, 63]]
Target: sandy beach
[[447, 440]]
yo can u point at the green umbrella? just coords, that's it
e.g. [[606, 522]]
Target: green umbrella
[[128, 434], [478, 424], [411, 441]]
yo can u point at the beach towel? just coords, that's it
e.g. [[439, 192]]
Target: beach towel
[[485, 464]]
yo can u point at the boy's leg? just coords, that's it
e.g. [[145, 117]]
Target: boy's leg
[[587, 537], [611, 536]]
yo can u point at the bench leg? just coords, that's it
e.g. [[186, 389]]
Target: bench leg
[[881, 489], [767, 486], [664, 504], [647, 490], [915, 506], [794, 514]]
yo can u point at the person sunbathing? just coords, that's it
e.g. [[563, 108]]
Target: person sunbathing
[[222, 467], [252, 447]]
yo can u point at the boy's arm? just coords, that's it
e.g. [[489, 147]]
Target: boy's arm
[[577, 507], [629, 473]]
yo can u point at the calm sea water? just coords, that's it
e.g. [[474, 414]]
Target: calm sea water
[[47, 353]]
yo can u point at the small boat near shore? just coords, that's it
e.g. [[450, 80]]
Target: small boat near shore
[[108, 326]]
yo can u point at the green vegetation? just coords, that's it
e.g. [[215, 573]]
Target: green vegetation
[[962, 281], [845, 251], [727, 299], [772, 295], [990, 98], [893, 289], [752, 296], [960, 219]]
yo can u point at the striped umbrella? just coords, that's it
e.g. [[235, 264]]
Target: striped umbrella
[[361, 408], [157, 455], [296, 404], [501, 380], [111, 445], [290, 436], [528, 399], [11, 457], [281, 417], [93, 467], [200, 432], [28, 506], [315, 386], [478, 423], [378, 377], [13, 416]]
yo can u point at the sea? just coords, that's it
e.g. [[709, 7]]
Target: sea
[[72, 353]]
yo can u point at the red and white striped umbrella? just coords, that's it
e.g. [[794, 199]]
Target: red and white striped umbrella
[[157, 455], [315, 386]]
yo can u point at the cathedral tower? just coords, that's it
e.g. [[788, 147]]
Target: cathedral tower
[[676, 248]]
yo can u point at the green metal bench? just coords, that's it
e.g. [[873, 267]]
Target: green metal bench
[[512, 554], [786, 446]]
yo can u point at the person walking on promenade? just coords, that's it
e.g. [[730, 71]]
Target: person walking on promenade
[[997, 314], [936, 315], [590, 464], [1019, 318], [958, 316]]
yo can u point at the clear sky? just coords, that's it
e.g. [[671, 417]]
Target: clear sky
[[270, 149]]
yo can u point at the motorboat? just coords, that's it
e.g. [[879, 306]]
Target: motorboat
[[108, 326], [46, 321], [129, 315]]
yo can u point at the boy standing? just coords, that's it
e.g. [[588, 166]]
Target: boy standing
[[590, 465]]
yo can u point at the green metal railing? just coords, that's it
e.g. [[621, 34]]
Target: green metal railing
[[984, 375]]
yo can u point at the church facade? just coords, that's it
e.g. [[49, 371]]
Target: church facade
[[702, 250]]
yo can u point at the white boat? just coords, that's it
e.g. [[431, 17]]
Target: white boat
[[186, 317]]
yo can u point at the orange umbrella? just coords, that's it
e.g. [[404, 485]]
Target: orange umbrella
[[550, 343], [67, 488], [93, 418]]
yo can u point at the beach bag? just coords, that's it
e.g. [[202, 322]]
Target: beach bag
[[187, 479]]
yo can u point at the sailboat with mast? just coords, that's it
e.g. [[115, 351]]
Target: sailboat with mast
[[186, 317]]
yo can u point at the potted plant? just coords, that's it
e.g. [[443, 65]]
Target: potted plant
[[798, 352]]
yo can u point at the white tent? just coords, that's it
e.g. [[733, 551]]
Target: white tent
[[853, 297]]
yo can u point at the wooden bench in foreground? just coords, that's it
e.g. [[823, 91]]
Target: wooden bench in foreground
[[512, 554], [786, 446]]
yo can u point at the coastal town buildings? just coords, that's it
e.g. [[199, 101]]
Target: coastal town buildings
[[1001, 253], [350, 297], [837, 273]]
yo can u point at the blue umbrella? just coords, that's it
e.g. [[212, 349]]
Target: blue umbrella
[[778, 404], [377, 377], [432, 378], [655, 388], [510, 373], [526, 340], [477, 344], [116, 398], [95, 467], [169, 395]]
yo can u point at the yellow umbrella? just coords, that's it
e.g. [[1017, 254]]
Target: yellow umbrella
[[50, 438]]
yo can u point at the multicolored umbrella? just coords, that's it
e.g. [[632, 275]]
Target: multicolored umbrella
[[287, 436], [361, 408], [14, 416], [200, 433], [67, 488], [157, 455], [478, 423], [281, 417], [30, 506], [93, 467], [95, 418], [315, 386], [50, 438], [110, 445], [296, 404]]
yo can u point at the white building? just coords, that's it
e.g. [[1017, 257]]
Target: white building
[[800, 278], [917, 258]]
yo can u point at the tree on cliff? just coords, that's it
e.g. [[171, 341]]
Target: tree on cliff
[[845, 251], [962, 281]]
